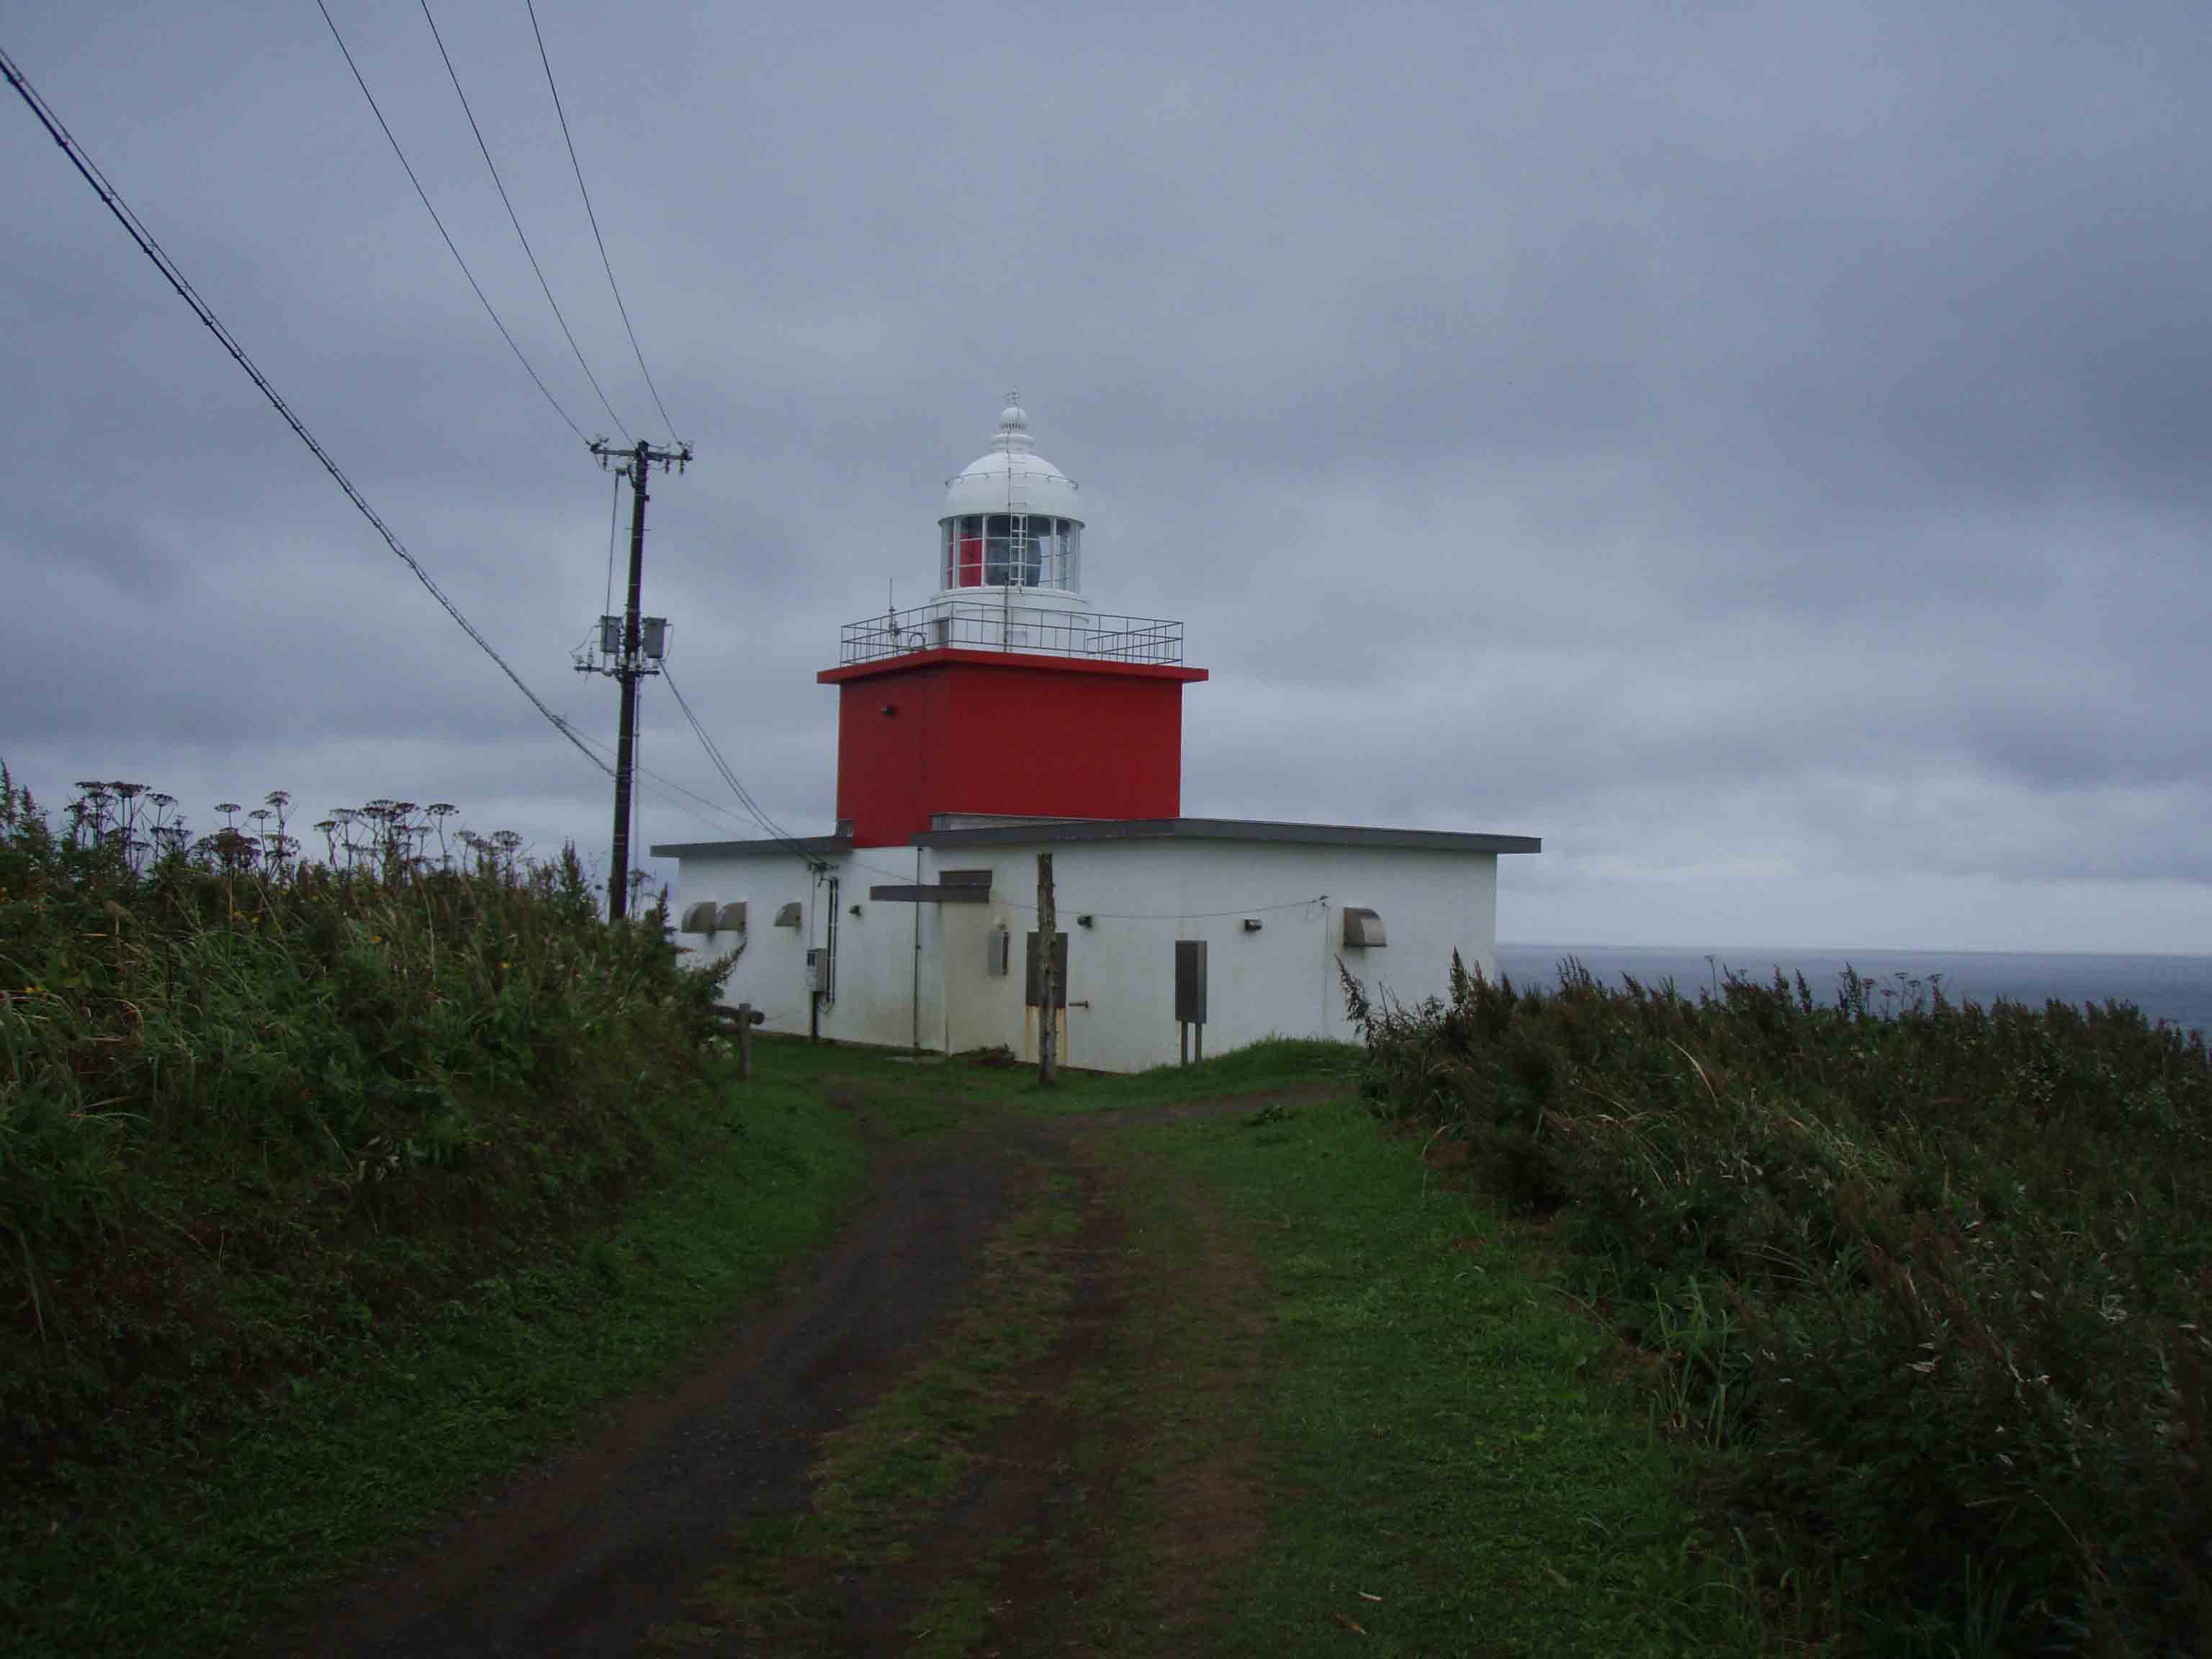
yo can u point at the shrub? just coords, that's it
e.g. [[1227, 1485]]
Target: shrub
[[252, 1103], [1933, 1283]]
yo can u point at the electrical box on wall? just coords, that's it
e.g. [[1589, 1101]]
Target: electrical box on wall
[[1190, 981], [814, 960], [998, 952], [1363, 929]]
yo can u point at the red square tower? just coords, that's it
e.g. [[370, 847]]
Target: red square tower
[[1007, 695]]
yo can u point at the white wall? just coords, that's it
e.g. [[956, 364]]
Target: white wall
[[1143, 896]]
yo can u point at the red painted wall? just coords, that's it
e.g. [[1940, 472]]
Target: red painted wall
[[979, 731]]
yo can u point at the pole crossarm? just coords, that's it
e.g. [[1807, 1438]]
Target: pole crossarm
[[675, 455]]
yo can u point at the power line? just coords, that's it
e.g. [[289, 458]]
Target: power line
[[474, 285], [153, 250], [594, 218], [528, 251], [673, 788], [714, 754], [775, 831]]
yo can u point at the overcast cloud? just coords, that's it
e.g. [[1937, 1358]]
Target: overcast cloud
[[1760, 450]]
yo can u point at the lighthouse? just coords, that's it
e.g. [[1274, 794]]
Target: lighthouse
[[1007, 694], [1009, 715]]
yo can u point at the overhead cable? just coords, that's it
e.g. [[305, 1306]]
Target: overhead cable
[[528, 251], [696, 801], [153, 250], [775, 831], [477, 288], [594, 218]]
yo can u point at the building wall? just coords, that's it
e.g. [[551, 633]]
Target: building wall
[[1035, 740], [1032, 737], [1143, 896], [891, 767]]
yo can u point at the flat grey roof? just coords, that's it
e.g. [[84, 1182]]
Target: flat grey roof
[[1247, 830], [799, 846]]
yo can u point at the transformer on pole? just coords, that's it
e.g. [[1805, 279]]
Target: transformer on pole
[[630, 645]]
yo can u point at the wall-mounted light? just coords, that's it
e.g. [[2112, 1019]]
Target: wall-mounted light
[[1251, 924], [855, 910], [890, 711], [1083, 921]]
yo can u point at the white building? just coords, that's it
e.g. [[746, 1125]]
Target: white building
[[915, 923]]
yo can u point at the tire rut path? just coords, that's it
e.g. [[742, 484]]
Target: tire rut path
[[586, 1554]]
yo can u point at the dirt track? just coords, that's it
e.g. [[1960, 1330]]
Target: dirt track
[[615, 1544]]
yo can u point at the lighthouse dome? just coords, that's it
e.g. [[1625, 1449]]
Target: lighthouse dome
[[1036, 484], [1011, 520]]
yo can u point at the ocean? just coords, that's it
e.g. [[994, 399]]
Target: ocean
[[2176, 990]]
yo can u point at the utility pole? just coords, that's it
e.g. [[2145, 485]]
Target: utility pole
[[632, 648]]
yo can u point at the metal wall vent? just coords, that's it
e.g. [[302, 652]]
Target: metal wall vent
[[1362, 928]]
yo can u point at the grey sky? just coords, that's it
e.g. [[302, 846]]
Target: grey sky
[[1761, 449]]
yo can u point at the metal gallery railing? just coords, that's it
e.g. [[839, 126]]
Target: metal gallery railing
[[983, 625]]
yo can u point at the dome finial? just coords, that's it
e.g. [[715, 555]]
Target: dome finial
[[1013, 425]]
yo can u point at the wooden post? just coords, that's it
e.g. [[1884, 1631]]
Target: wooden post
[[1048, 989]]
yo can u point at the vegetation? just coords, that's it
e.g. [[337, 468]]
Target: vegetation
[[1243, 1381], [329, 1186], [1448, 1470], [1929, 1287]]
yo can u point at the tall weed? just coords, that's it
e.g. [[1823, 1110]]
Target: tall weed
[[251, 1104], [1933, 1278]]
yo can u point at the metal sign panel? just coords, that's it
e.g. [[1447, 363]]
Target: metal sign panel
[[1034, 995], [1190, 981]]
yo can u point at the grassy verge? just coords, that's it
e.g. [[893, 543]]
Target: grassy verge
[[1449, 1469], [202, 1537]]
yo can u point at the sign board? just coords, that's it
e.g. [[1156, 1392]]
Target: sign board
[[1034, 996], [1190, 981]]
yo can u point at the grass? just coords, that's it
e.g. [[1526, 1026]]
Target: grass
[[331, 1187], [1329, 1378], [1273, 1063], [1450, 1470], [882, 1480], [202, 1541]]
